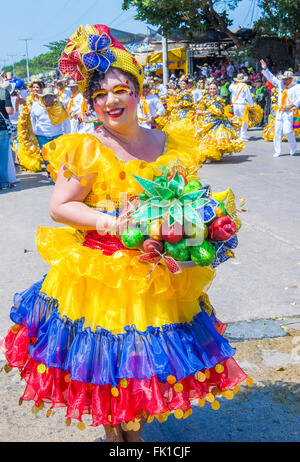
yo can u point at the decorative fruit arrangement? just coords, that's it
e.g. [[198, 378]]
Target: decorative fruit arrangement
[[180, 221]]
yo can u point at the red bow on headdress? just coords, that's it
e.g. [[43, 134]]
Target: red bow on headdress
[[69, 65]]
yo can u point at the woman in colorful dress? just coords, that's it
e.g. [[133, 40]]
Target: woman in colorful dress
[[184, 106], [170, 105], [28, 148], [97, 334], [214, 128]]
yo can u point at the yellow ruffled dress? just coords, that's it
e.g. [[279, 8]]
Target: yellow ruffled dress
[[100, 336], [28, 149], [215, 130]]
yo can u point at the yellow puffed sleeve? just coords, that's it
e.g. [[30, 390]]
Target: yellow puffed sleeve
[[81, 154], [84, 154]]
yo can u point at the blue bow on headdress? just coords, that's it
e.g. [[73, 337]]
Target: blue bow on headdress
[[100, 56]]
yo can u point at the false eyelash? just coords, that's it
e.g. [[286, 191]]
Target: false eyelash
[[98, 93], [123, 88]]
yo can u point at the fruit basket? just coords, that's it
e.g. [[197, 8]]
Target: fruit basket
[[180, 222]]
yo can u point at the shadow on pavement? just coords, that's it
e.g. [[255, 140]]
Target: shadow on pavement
[[233, 159], [28, 181], [266, 413]]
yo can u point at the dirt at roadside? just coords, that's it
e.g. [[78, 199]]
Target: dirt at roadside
[[274, 362]]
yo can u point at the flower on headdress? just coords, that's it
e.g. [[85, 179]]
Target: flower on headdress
[[69, 66], [100, 57]]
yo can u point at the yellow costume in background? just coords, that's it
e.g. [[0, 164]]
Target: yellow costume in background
[[28, 149], [216, 130], [183, 106]]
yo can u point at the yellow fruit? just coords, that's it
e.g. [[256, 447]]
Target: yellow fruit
[[220, 196]]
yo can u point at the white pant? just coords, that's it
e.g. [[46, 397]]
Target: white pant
[[284, 126], [74, 125], [238, 110]]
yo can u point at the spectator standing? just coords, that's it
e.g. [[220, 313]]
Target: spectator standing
[[6, 109], [224, 90], [261, 94], [49, 119]]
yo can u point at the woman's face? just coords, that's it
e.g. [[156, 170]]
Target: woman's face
[[116, 101], [183, 85], [36, 89], [213, 89]]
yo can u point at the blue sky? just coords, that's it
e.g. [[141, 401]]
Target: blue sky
[[44, 21]]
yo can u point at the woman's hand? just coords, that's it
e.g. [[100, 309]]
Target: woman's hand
[[106, 224]]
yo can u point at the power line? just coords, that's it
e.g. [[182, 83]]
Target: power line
[[79, 19], [116, 18], [124, 21], [54, 17]]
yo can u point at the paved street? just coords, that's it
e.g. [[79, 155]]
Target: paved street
[[261, 283]]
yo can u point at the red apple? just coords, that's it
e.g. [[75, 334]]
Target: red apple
[[172, 233]]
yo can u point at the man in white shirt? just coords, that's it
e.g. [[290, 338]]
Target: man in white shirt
[[240, 97], [159, 88], [63, 92], [288, 100], [74, 106], [149, 108], [49, 119], [197, 94]]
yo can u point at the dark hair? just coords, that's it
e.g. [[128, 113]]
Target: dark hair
[[95, 80], [214, 82], [39, 83]]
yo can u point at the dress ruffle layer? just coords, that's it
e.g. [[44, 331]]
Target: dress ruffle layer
[[119, 378], [100, 357]]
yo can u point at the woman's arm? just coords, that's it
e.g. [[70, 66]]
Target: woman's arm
[[67, 205]]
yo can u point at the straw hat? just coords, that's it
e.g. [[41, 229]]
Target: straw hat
[[72, 83], [241, 78], [48, 92], [286, 75]]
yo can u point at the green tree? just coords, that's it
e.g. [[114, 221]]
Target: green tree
[[44, 62], [279, 17], [187, 16]]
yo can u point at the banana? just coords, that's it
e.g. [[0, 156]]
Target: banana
[[220, 196]]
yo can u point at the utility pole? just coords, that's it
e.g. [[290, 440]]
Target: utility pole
[[27, 59], [13, 64], [164, 42]]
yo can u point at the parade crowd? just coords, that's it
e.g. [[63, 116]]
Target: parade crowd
[[217, 105]]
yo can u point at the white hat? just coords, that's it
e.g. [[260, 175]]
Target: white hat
[[241, 78], [9, 86], [286, 75], [72, 83], [47, 92]]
